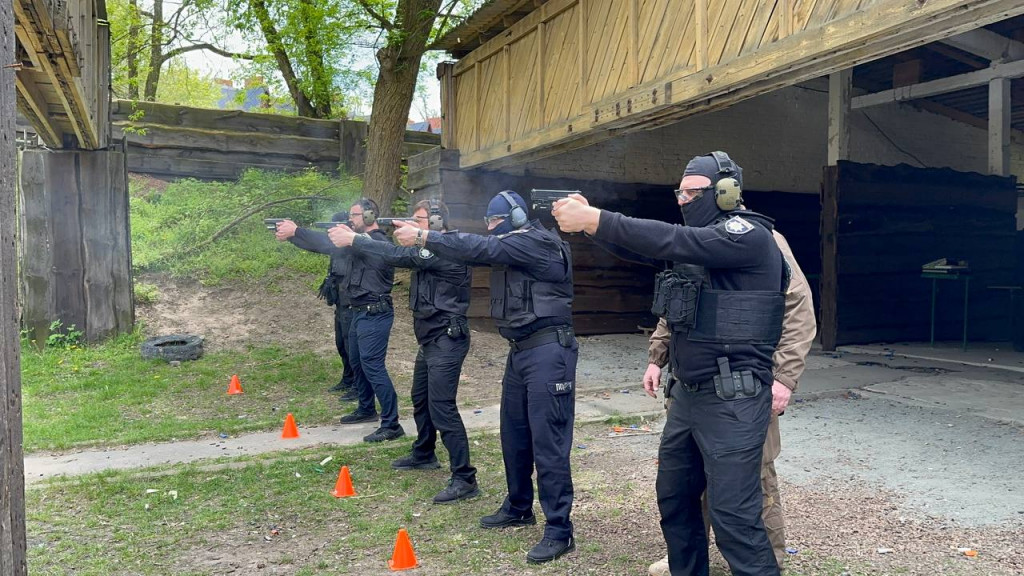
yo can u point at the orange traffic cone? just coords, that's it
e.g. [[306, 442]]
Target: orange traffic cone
[[290, 429], [235, 387], [403, 558], [343, 487]]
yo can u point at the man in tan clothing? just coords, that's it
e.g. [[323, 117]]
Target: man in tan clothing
[[788, 363]]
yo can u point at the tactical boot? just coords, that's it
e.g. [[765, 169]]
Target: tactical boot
[[358, 417], [410, 462], [458, 489], [382, 434], [501, 519], [339, 387], [548, 549], [659, 568], [350, 395]]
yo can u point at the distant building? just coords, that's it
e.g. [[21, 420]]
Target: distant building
[[255, 97], [432, 125]]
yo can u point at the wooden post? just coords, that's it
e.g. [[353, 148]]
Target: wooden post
[[829, 281], [840, 85], [999, 126], [445, 72], [12, 464], [353, 146]]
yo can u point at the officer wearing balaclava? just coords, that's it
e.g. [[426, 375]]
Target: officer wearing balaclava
[[724, 331], [531, 303]]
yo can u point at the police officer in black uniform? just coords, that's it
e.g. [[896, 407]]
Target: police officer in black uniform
[[726, 320], [368, 288], [330, 292], [531, 302], [439, 299]]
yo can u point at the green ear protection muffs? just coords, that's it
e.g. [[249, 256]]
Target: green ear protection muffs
[[728, 192]]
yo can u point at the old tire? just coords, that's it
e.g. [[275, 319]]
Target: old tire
[[180, 347]]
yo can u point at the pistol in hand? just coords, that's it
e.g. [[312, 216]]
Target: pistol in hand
[[541, 199]]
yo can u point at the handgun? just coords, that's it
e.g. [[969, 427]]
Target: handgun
[[391, 221], [271, 223], [328, 225], [545, 199]]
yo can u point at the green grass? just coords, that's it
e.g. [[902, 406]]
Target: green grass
[[107, 394], [109, 524], [170, 223]]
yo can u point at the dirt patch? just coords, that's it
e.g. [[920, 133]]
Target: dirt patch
[[236, 317]]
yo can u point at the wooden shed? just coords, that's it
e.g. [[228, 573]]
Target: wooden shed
[[881, 135]]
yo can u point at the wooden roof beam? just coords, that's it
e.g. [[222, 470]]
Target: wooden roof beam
[[941, 86], [987, 44], [34, 107]]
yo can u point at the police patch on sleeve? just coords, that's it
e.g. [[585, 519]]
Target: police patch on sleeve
[[426, 254], [737, 225]]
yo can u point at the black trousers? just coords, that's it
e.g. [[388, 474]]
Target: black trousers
[[538, 409], [717, 444], [342, 323], [435, 384]]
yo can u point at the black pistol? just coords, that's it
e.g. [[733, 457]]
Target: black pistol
[[327, 225], [545, 199], [382, 222], [271, 223]]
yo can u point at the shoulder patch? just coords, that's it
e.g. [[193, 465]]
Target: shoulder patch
[[737, 225], [426, 254]]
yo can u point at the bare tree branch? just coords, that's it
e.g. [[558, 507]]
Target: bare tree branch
[[442, 27], [205, 46], [384, 22]]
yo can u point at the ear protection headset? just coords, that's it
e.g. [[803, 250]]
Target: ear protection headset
[[369, 211], [436, 220], [516, 213], [728, 192]]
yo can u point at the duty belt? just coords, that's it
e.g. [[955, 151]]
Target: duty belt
[[561, 334], [383, 305]]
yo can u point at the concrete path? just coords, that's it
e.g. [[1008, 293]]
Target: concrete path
[[953, 386]]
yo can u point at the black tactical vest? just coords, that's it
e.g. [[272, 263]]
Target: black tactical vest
[[519, 299], [442, 288], [369, 276]]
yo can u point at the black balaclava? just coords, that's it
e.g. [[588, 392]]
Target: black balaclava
[[499, 206], [704, 210]]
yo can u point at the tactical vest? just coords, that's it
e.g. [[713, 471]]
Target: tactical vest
[[519, 299], [434, 290], [369, 279]]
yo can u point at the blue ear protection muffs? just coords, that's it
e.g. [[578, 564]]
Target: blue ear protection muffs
[[436, 219], [369, 211], [728, 192], [516, 214]]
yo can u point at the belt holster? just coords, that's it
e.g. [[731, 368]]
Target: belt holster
[[731, 385]]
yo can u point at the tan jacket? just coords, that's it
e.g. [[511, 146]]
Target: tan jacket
[[798, 327]]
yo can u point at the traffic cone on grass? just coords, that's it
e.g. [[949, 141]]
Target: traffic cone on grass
[[403, 558], [290, 429], [235, 387], [343, 487]]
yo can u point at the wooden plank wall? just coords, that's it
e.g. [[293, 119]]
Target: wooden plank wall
[[12, 467], [177, 141], [888, 222], [574, 72], [75, 243]]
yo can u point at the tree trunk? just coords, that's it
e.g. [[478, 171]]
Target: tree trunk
[[284, 64], [392, 97], [12, 464], [134, 45], [156, 51]]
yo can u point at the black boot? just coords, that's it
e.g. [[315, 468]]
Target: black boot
[[358, 417], [410, 462], [501, 519], [458, 489], [548, 549], [382, 434]]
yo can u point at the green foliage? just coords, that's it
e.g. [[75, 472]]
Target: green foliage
[[107, 394], [181, 85], [168, 225], [146, 293], [63, 338]]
